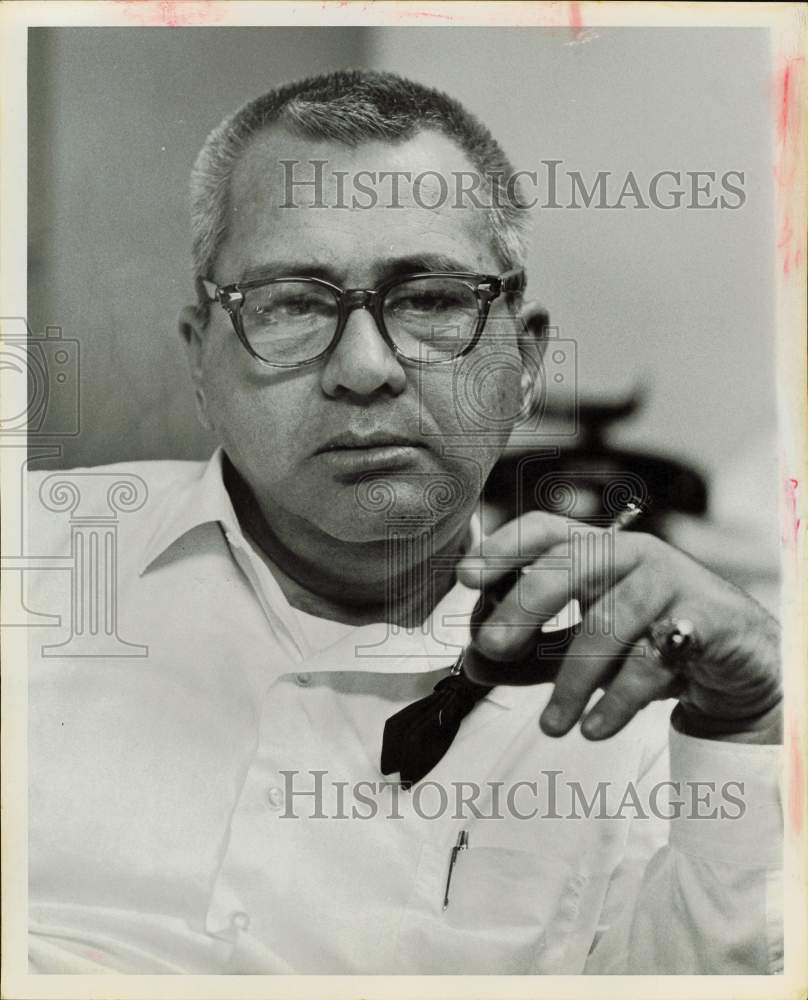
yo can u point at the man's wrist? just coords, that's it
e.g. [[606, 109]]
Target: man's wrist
[[764, 729]]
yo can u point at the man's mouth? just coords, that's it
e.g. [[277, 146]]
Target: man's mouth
[[352, 441], [352, 453]]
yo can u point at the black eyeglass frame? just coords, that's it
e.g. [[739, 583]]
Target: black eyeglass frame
[[487, 288]]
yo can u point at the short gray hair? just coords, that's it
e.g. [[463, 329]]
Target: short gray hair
[[351, 106]]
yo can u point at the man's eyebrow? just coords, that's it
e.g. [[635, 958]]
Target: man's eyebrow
[[388, 267], [288, 269], [412, 264]]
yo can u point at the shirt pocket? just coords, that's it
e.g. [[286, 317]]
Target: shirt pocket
[[509, 911]]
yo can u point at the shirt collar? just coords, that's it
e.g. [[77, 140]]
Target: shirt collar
[[203, 500]]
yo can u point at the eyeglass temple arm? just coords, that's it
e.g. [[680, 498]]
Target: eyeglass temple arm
[[216, 294], [513, 281]]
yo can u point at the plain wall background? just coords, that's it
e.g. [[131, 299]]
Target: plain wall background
[[116, 118], [681, 301]]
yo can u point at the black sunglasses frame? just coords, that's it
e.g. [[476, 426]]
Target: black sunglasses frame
[[487, 287]]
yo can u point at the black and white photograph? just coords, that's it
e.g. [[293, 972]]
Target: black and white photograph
[[403, 455]]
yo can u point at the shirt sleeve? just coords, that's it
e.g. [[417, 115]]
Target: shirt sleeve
[[700, 892]]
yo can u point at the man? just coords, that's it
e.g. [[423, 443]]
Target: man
[[209, 789]]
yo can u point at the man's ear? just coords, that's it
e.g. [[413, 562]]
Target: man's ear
[[192, 330], [535, 321]]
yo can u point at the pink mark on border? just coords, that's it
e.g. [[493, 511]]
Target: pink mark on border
[[787, 118], [796, 791], [791, 529], [784, 242], [786, 111], [575, 18], [172, 13]]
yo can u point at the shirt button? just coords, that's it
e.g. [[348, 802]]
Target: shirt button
[[241, 920], [275, 796], [303, 680]]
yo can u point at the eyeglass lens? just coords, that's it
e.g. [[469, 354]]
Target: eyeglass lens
[[428, 319]]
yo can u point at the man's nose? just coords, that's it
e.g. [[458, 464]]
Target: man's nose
[[362, 363]]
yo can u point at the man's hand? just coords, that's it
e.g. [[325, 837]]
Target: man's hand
[[728, 689]]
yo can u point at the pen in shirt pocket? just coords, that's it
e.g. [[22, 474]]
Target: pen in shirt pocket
[[461, 845]]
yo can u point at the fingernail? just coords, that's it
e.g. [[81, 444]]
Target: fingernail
[[594, 724], [551, 717]]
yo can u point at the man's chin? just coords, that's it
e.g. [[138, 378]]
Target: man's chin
[[381, 507]]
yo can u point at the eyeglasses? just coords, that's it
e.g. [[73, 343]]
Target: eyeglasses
[[425, 318]]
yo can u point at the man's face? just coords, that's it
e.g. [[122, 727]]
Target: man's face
[[447, 423]]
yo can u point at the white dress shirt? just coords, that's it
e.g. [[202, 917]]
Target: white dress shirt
[[171, 832]]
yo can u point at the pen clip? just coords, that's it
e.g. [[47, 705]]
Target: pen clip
[[461, 845]]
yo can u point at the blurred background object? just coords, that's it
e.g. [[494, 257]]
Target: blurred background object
[[590, 479], [729, 525]]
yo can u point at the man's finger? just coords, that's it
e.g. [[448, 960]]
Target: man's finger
[[512, 546], [641, 680], [608, 633], [549, 583], [512, 624]]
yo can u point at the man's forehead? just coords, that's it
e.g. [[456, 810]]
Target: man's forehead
[[277, 163], [313, 198]]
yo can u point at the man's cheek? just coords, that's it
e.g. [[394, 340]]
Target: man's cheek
[[438, 412], [487, 398], [477, 401], [256, 438]]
